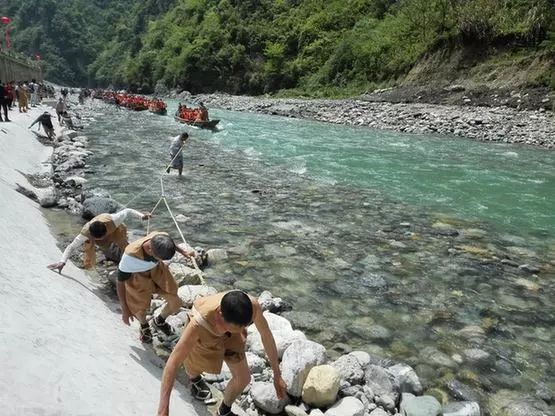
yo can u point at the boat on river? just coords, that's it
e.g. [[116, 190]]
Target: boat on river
[[155, 109], [208, 125]]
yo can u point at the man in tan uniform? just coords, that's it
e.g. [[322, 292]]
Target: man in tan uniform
[[106, 231], [142, 273], [217, 333]]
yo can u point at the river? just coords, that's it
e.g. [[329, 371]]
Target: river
[[406, 246]]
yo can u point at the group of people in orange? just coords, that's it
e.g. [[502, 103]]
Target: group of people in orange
[[157, 106], [199, 114], [133, 102]]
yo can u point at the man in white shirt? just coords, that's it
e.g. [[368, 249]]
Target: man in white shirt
[[107, 231]]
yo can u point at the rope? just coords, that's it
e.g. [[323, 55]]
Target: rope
[[163, 198], [155, 180], [195, 265]]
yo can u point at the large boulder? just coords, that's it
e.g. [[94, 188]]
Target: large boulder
[[298, 360], [406, 378], [348, 406], [420, 406], [98, 205], [461, 409], [381, 382], [350, 368], [321, 386], [188, 294], [264, 396]]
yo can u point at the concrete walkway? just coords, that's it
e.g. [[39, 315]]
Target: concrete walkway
[[62, 350]]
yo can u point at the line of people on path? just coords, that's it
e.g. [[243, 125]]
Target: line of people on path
[[216, 331], [25, 93]]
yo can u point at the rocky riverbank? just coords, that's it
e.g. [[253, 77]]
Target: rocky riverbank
[[500, 124]]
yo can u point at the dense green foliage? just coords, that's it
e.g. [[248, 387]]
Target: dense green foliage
[[258, 46]]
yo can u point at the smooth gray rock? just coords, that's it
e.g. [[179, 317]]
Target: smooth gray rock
[[256, 363], [189, 293], [477, 357], [271, 304], [387, 402], [381, 382], [75, 180], [215, 256], [508, 403], [298, 360], [185, 275], [283, 339], [546, 392], [349, 390], [350, 368], [362, 356], [97, 205], [407, 378], [264, 396], [420, 406], [348, 406], [461, 409], [437, 358], [528, 268], [47, 197], [461, 391], [294, 411]]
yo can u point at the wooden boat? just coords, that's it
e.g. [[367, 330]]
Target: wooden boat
[[208, 125]]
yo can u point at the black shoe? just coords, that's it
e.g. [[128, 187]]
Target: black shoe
[[8, 120], [201, 390], [146, 334], [230, 413], [161, 325]]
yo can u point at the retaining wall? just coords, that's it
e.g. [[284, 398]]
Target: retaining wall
[[14, 68]]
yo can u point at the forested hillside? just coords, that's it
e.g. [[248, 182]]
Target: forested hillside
[[259, 46]]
